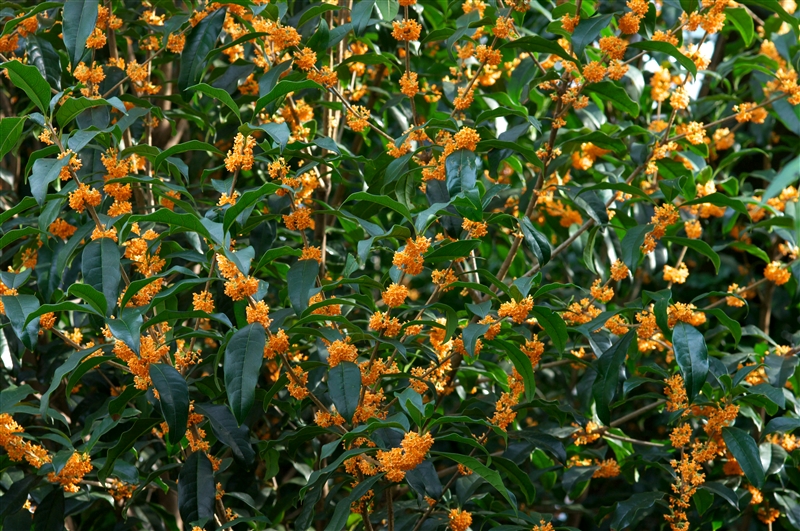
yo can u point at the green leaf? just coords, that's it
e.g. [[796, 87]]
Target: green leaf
[[452, 250], [127, 328], [78, 21], [279, 132], [471, 334], [174, 220], [631, 245], [745, 450], [65, 368], [696, 245], [17, 309], [221, 95], [191, 145], [173, 393], [101, 269], [30, 80], [692, 357], [382, 200], [72, 107], [388, 9], [731, 324], [517, 476], [93, 297], [541, 45], [536, 241], [301, 280], [587, 31], [605, 384], [44, 172], [315, 11], [10, 131], [629, 512], [246, 200], [721, 200], [283, 88], [243, 357], [776, 7], [669, 49], [14, 395], [619, 98], [774, 394], [522, 363], [49, 515], [343, 508], [491, 476], [196, 487], [782, 425], [461, 171], [360, 16], [202, 40], [16, 496], [743, 23], [788, 175], [553, 325], [228, 432], [344, 386]]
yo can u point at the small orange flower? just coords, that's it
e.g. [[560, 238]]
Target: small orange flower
[[407, 30]]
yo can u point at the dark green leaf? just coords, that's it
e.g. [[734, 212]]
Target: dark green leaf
[[629, 512], [301, 280], [743, 22], [344, 386], [608, 368], [78, 21], [696, 245], [745, 450], [93, 297], [615, 94], [461, 170], [196, 489], [191, 145], [342, 511], [491, 476], [631, 245], [382, 200], [65, 368], [202, 40], [692, 357], [471, 334], [541, 45], [10, 131], [30, 80], [228, 432], [14, 395], [553, 325], [360, 15], [669, 49], [127, 328], [452, 250], [587, 31], [101, 269], [49, 515], [221, 95], [782, 425], [44, 172], [243, 357], [174, 398], [536, 241], [17, 309]]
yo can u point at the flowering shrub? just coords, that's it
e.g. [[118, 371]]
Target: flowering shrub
[[400, 264]]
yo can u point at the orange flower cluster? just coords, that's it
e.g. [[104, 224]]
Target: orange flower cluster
[[459, 520], [676, 393], [410, 260], [84, 196], [608, 468], [665, 215], [776, 273], [504, 409], [240, 157], [517, 311], [152, 349], [70, 477], [61, 229], [397, 461], [203, 302], [395, 295], [17, 447], [238, 285], [407, 30], [341, 350]]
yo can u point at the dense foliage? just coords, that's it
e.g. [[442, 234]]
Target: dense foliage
[[399, 264]]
